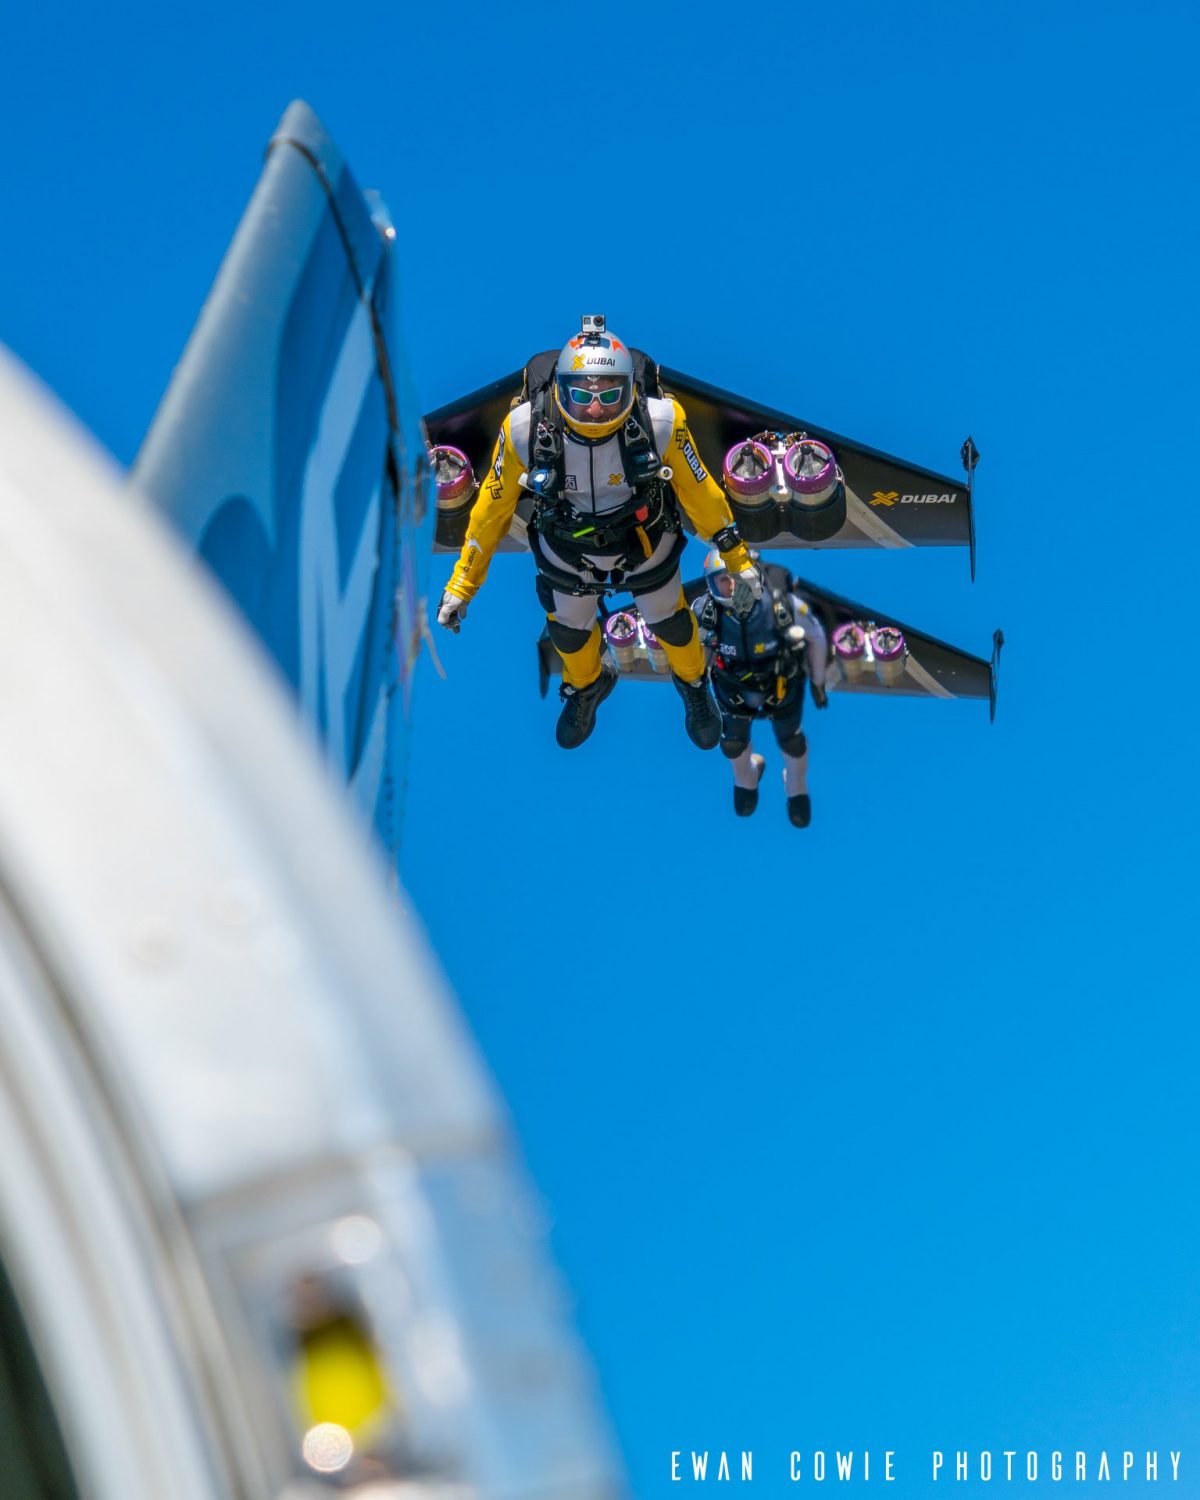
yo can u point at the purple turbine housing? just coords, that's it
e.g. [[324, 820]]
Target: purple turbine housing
[[751, 486], [887, 643], [620, 631], [454, 476], [655, 654], [849, 642], [890, 651], [620, 628], [810, 472]]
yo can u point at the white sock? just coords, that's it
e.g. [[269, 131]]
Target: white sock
[[795, 774], [747, 769]]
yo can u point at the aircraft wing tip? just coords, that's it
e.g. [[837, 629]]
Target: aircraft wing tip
[[301, 126]]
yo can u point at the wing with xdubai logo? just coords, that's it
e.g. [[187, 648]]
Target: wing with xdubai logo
[[790, 483]]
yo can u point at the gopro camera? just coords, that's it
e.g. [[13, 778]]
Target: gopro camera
[[593, 325]]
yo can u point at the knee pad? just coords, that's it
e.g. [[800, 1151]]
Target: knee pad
[[678, 629], [792, 742], [566, 638]]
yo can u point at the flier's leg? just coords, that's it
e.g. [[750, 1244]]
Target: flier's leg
[[747, 769], [576, 637], [665, 611], [794, 746], [795, 773]]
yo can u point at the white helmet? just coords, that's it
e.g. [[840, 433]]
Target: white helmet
[[593, 381], [718, 578]]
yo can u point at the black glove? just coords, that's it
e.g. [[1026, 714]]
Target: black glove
[[819, 696]]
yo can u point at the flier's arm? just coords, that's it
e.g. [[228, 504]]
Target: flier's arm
[[818, 642], [491, 516], [699, 493]]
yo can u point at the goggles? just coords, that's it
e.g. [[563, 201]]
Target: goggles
[[577, 396]]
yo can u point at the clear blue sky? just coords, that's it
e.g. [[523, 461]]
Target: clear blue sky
[[882, 1134]]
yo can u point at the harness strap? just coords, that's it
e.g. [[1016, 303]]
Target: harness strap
[[619, 576], [639, 457], [545, 446], [734, 694], [631, 532]]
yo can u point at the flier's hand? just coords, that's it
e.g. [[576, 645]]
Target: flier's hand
[[451, 611], [819, 696], [747, 590], [752, 578]]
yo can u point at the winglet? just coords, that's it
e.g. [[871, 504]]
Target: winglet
[[545, 650], [997, 643], [969, 454]]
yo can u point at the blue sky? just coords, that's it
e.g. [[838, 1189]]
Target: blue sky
[[881, 1134]]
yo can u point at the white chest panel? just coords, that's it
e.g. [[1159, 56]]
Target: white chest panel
[[593, 473]]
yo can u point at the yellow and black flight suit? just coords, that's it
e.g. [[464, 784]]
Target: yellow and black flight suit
[[598, 532]]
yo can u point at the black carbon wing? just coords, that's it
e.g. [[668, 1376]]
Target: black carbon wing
[[889, 502], [924, 667], [931, 668], [471, 424]]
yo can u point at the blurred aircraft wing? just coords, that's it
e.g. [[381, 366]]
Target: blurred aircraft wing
[[246, 1135], [288, 451]]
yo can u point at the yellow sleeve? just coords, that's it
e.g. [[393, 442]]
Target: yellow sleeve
[[491, 516], [698, 492]]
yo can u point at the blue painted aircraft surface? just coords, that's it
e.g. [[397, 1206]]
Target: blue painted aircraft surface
[[262, 1229], [289, 453]]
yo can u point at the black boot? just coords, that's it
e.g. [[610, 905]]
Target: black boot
[[700, 716], [578, 716], [800, 810], [745, 798]]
